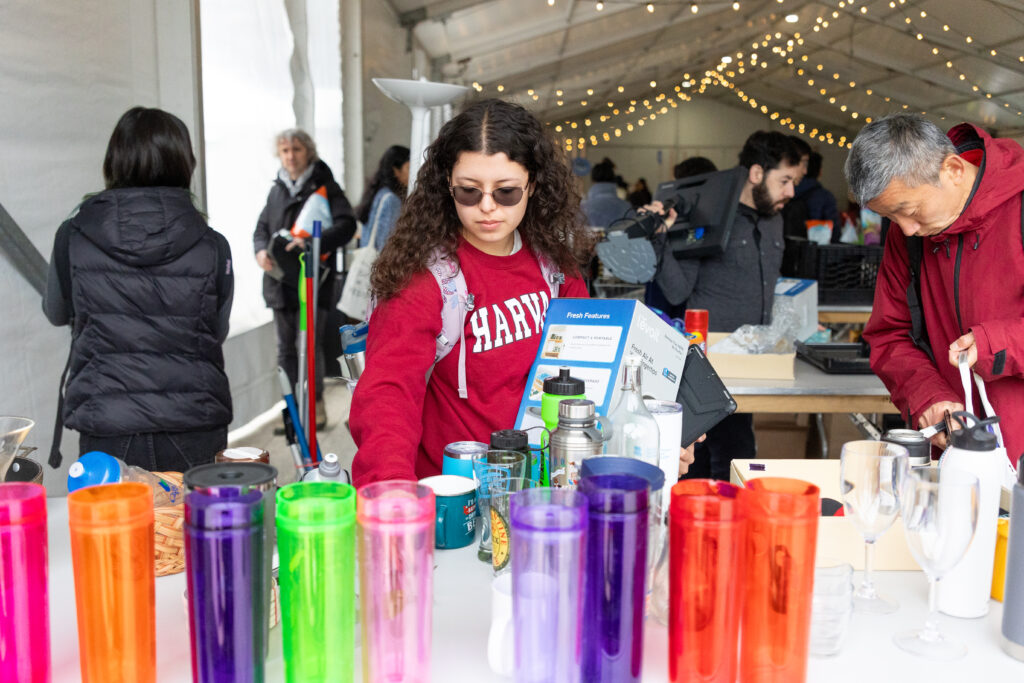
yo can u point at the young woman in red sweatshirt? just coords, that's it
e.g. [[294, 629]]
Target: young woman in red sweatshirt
[[494, 197]]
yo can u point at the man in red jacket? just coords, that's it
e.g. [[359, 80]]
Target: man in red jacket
[[960, 194]]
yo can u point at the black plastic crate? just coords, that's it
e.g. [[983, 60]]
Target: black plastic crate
[[845, 273]]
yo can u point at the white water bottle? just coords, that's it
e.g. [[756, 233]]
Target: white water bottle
[[329, 469], [964, 592], [634, 429], [97, 467]]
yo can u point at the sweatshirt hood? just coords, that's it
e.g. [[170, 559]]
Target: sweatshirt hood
[[1000, 175], [141, 226]]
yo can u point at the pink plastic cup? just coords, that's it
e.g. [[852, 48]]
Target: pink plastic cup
[[396, 567], [24, 611]]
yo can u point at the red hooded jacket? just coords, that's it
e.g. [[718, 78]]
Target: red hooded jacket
[[972, 279]]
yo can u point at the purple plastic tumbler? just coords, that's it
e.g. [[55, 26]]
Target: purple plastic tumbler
[[548, 544], [224, 565], [616, 569], [24, 616], [396, 580]]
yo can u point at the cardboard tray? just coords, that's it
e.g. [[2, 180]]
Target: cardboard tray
[[750, 366], [837, 536]]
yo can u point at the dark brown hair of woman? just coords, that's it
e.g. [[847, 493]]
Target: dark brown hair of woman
[[552, 225]]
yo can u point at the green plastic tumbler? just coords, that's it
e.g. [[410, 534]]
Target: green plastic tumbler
[[316, 526], [556, 390]]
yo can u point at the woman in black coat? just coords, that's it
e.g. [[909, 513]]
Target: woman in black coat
[[301, 174]]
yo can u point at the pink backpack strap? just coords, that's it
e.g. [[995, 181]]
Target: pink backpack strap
[[554, 277], [456, 304]]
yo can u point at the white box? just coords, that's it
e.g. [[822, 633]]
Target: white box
[[802, 297], [592, 337]]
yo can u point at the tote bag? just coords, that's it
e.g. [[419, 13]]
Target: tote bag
[[355, 295]]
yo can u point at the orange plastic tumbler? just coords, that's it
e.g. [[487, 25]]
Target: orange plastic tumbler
[[707, 542], [112, 555], [782, 518]]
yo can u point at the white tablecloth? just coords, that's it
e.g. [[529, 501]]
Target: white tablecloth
[[462, 619]]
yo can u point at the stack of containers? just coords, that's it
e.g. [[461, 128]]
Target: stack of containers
[[396, 562], [316, 544], [616, 570], [548, 545], [224, 565], [112, 557], [24, 611]]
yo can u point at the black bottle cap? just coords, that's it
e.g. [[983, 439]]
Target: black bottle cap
[[973, 438], [509, 440], [563, 385]]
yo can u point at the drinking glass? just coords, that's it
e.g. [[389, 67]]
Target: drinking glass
[[831, 607], [490, 469], [871, 474], [940, 515]]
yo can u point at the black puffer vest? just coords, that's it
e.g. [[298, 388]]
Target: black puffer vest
[[145, 355]]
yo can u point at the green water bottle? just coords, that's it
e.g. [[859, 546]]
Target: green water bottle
[[556, 390]]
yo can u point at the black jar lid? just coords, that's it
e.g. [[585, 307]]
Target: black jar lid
[[563, 385], [509, 440]]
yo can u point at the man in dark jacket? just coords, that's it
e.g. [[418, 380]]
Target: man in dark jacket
[[301, 174], [738, 287], [960, 193]]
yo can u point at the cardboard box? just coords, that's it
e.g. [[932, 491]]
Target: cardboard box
[[749, 365], [801, 296], [837, 536], [592, 337]]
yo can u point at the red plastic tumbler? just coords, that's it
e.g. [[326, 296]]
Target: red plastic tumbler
[[782, 516], [707, 542]]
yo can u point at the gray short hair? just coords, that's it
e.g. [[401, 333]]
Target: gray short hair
[[904, 146], [300, 136]]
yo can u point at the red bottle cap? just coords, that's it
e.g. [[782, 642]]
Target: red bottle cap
[[696, 319]]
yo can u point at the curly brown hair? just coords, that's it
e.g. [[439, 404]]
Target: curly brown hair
[[552, 225]]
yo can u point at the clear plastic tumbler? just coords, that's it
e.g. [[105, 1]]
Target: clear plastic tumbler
[[24, 615], [112, 555], [782, 519], [316, 527], [490, 471], [396, 565], [548, 545], [224, 575], [708, 539], [616, 569]]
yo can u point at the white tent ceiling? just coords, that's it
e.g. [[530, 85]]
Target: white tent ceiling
[[953, 59]]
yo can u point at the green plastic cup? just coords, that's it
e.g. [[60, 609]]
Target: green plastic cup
[[316, 526]]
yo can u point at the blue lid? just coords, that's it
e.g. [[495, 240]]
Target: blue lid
[[92, 469], [608, 464]]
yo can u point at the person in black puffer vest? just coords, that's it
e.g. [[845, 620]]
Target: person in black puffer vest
[[146, 286], [301, 174]]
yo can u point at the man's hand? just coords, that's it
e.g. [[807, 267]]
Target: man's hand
[[659, 208], [686, 456], [935, 413], [296, 243], [264, 261], [964, 343]]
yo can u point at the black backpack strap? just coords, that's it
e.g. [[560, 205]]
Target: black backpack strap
[[62, 263], [918, 332]]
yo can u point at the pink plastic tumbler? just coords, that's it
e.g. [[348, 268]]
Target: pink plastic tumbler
[[24, 615], [396, 567]]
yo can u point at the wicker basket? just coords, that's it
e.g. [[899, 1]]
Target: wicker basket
[[168, 531]]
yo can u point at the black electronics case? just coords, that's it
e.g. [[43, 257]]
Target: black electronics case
[[704, 398]]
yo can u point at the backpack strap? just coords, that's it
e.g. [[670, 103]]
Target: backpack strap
[[918, 332], [554, 277], [456, 304]]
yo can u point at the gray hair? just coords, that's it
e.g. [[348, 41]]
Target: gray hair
[[300, 136], [904, 146]]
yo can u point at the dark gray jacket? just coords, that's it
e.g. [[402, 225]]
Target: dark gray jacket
[[280, 213], [147, 287], [737, 287]]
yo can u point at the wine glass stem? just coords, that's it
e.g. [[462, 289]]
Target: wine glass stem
[[867, 587], [931, 629]]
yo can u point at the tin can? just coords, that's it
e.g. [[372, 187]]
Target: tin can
[[242, 454], [696, 320], [458, 457], [918, 447]]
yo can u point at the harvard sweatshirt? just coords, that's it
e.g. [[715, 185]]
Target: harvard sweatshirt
[[401, 421]]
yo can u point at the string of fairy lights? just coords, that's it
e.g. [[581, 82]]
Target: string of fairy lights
[[828, 83]]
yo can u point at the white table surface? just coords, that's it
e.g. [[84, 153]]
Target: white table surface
[[462, 619]]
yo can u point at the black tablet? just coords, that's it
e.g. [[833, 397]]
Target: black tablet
[[704, 398]]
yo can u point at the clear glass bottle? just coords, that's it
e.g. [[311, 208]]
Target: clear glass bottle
[[634, 431]]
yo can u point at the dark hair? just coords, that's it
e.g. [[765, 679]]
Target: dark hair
[[768, 149], [802, 148], [394, 158], [149, 148], [693, 166], [814, 165], [603, 172], [552, 225]]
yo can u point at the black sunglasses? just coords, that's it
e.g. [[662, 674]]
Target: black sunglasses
[[471, 196]]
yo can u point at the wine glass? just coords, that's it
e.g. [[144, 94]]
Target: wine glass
[[871, 475], [940, 515]]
